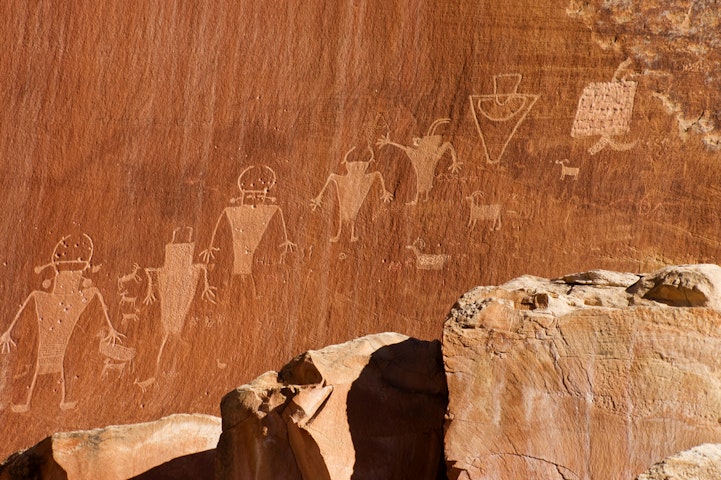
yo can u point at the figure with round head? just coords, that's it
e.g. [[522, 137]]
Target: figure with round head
[[249, 218], [352, 190], [59, 310]]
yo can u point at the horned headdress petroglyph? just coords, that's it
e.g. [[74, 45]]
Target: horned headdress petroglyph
[[424, 154], [352, 190]]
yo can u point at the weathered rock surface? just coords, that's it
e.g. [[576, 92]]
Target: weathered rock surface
[[186, 137], [369, 408], [699, 463], [582, 377], [145, 450]]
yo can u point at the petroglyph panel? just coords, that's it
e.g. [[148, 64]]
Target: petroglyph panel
[[107, 130]]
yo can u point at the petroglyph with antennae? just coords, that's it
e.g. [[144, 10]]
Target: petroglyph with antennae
[[59, 311], [352, 190], [177, 281], [424, 155], [249, 220], [498, 115], [605, 109]]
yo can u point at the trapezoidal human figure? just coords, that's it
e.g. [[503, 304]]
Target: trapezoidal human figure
[[250, 219], [424, 154], [59, 310], [177, 282], [352, 190]]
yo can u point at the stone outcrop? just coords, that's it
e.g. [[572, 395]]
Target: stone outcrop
[[699, 463], [593, 375], [369, 408], [178, 446]]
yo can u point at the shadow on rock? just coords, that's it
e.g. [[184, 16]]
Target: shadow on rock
[[395, 413]]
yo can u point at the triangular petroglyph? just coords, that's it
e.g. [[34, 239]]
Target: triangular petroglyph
[[498, 115]]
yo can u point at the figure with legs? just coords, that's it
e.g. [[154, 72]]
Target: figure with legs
[[59, 310], [352, 190], [250, 219], [177, 281], [424, 154]]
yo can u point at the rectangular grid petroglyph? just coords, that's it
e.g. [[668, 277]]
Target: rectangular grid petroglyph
[[605, 109]]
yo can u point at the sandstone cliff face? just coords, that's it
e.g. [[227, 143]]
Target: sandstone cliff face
[[258, 180], [370, 408], [594, 375], [145, 450]]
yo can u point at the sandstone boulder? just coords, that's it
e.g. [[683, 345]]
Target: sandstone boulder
[[122, 452], [587, 376], [699, 463], [369, 408]]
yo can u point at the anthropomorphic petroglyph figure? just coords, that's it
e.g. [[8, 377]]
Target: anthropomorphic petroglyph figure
[[605, 110], [352, 190], [424, 155], [498, 115], [59, 310], [249, 220], [567, 171], [177, 281], [483, 212]]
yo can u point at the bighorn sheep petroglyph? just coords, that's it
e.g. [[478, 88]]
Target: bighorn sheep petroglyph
[[480, 211], [567, 171]]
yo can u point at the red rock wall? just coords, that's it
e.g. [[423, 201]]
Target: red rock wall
[[123, 121]]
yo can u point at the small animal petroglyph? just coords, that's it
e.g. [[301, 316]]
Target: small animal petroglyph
[[352, 190], [567, 171], [127, 317], [145, 384], [427, 261], [133, 276], [110, 366], [424, 154], [483, 212], [498, 115], [127, 301]]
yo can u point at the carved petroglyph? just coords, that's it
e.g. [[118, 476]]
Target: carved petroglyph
[[683, 45], [110, 366], [133, 276], [605, 109], [498, 115], [177, 282], [249, 220], [352, 190], [483, 212], [567, 171], [427, 261], [424, 155], [59, 311]]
